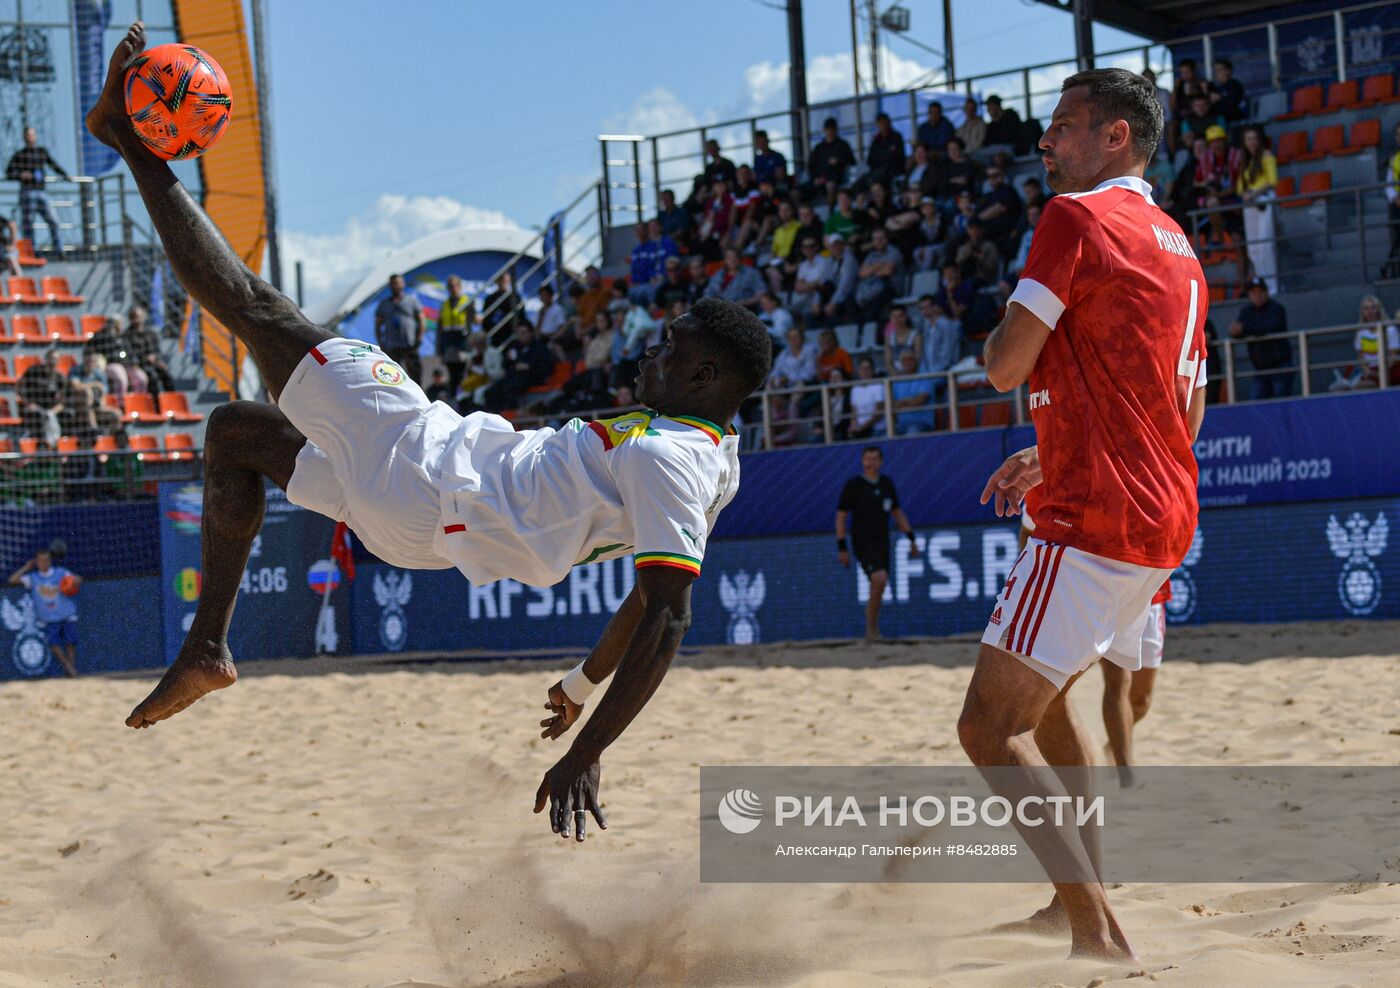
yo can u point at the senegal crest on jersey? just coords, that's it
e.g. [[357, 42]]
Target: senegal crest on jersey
[[616, 431]]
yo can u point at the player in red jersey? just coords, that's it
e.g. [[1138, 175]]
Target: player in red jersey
[[1106, 325]]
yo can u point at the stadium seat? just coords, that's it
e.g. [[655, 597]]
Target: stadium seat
[[5, 376], [24, 361], [28, 329], [65, 363], [1364, 134], [1312, 183], [1341, 96], [5, 297], [58, 292], [145, 447], [6, 445], [1306, 101], [67, 444], [1287, 186], [176, 407], [104, 445], [6, 334], [27, 257], [1377, 89], [179, 446], [61, 330], [91, 323], [25, 292], [563, 370], [140, 408], [8, 419], [1291, 145], [112, 401], [1325, 141], [29, 446]]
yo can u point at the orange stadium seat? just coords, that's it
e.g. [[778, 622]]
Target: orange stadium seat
[[112, 401], [65, 363], [62, 330], [58, 291], [8, 419], [140, 408], [1287, 186], [29, 446], [176, 407], [1325, 141], [563, 370], [67, 444], [27, 257], [1364, 134], [91, 323], [5, 376], [24, 361], [1306, 100], [5, 297], [145, 447], [179, 446], [24, 291], [1341, 95], [1312, 184], [1377, 89], [6, 444], [6, 334], [1291, 146], [103, 446], [28, 329]]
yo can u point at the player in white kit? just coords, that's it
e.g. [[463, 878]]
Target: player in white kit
[[355, 438]]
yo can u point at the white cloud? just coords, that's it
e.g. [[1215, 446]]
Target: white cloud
[[828, 77], [333, 261], [657, 111]]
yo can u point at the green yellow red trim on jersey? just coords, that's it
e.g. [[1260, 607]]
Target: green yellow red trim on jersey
[[688, 563]]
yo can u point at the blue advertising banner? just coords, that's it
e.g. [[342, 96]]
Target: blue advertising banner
[[1316, 561], [279, 602], [118, 628], [1315, 449], [90, 55]]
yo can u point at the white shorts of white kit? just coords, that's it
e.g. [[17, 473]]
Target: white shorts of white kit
[[1154, 636], [374, 443], [1063, 609]]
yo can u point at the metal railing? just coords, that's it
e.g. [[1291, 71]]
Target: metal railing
[[46, 477], [90, 211], [674, 158], [1305, 232]]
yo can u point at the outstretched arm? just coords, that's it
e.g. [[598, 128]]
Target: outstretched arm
[[570, 788], [600, 664]]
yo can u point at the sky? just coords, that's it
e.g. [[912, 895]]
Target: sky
[[393, 121]]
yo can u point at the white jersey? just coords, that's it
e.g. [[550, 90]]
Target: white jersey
[[531, 505]]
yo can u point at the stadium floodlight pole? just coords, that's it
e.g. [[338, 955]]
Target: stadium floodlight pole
[[1084, 34], [797, 85], [948, 70], [874, 16], [855, 73], [274, 253]]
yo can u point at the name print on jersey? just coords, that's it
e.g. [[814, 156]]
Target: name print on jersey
[[1039, 398], [1172, 241]]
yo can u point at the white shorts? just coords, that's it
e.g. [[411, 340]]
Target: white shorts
[[1063, 609], [1154, 636], [374, 443]]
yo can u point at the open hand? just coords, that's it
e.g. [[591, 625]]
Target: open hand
[[571, 791], [1011, 481], [565, 712]]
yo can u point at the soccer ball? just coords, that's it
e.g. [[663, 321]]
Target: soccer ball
[[178, 100], [68, 585]]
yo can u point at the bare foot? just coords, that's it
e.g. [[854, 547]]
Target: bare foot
[[201, 668], [1113, 947], [107, 120]]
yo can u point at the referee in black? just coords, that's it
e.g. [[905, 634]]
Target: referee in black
[[871, 501]]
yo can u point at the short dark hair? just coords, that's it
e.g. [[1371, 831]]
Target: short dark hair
[[829, 122], [395, 275], [739, 342], [873, 449], [761, 133], [882, 116], [1117, 94], [1225, 62]]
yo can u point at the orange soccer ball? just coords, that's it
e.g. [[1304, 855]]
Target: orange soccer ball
[[178, 100], [68, 585]]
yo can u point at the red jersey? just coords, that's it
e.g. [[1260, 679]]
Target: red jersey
[[1116, 280]]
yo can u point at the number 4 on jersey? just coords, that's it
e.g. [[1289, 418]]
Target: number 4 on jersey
[[1189, 364]]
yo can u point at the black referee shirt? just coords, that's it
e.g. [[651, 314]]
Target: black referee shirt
[[870, 505]]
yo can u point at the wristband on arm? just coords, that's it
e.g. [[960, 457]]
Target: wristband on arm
[[841, 545], [576, 686]]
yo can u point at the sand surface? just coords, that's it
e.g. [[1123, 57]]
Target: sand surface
[[348, 823]]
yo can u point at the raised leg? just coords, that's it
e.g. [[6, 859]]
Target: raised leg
[[1006, 702], [245, 442], [267, 322]]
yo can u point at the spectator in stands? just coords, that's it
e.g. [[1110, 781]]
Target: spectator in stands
[[830, 161], [143, 343], [1003, 125], [838, 399], [123, 375], [912, 399], [501, 308], [648, 261], [673, 287], [1217, 175], [929, 235], [867, 400], [960, 174], [813, 281], [1023, 245], [795, 366], [885, 156], [484, 365], [676, 223], [964, 212], [746, 196], [955, 296], [715, 221], [812, 224], [1263, 317], [9, 253], [589, 387], [639, 329], [456, 315], [438, 389], [1255, 188], [697, 282], [595, 296], [1188, 86], [1374, 327], [973, 132], [1215, 364], [552, 324], [879, 273], [777, 319], [718, 168], [843, 219], [92, 375], [784, 255], [903, 224], [921, 176], [942, 336], [900, 336], [398, 327], [1196, 124], [736, 281], [1164, 98], [999, 209], [40, 399], [1392, 197], [878, 206], [769, 165], [27, 167], [978, 257], [841, 304], [528, 362], [1227, 96], [936, 131], [831, 355]]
